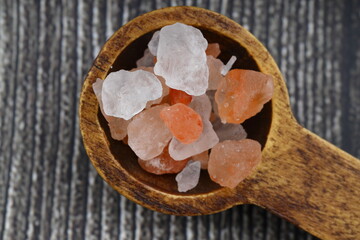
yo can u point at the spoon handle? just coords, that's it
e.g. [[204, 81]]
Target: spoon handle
[[309, 182]]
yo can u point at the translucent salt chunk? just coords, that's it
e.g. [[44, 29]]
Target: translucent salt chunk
[[147, 60], [118, 126], [213, 49], [203, 158], [165, 89], [242, 94], [188, 178], [207, 140], [232, 161], [211, 95], [228, 66], [183, 122], [181, 59], [162, 164], [215, 67], [124, 93], [201, 105], [154, 42], [229, 131], [147, 133]]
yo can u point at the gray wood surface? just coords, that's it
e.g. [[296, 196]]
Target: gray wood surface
[[48, 188]]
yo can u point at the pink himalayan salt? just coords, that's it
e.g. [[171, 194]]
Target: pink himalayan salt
[[207, 140], [242, 94], [183, 122], [203, 158], [213, 49], [162, 164], [117, 126], [215, 66], [148, 134], [232, 161]]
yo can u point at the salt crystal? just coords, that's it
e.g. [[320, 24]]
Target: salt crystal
[[229, 131], [162, 164], [118, 126], [215, 67], [183, 122], [228, 66], [125, 93], [213, 49], [165, 89], [232, 161], [188, 178], [181, 59], [211, 95], [148, 134], [207, 140], [154, 42], [202, 105], [147, 60], [242, 94], [203, 158]]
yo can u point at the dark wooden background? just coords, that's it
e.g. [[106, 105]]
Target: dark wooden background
[[48, 188]]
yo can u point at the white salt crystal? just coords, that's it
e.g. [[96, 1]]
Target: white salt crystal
[[154, 42], [181, 59], [118, 126], [228, 66], [147, 60], [188, 178], [124, 93], [215, 67], [229, 131], [208, 139], [201, 105]]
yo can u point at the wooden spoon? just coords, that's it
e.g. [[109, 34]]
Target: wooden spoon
[[302, 178]]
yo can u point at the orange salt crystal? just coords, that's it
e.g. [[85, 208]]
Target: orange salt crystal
[[213, 49], [178, 96], [232, 161], [183, 122], [242, 94], [162, 164]]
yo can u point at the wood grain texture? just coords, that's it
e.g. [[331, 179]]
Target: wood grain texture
[[59, 194]]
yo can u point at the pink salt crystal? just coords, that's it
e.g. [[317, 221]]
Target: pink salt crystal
[[232, 161], [118, 126], [202, 105], [147, 60], [148, 134], [211, 95], [162, 164], [203, 158], [207, 140], [183, 122], [215, 66], [242, 94], [213, 49], [229, 131], [188, 178]]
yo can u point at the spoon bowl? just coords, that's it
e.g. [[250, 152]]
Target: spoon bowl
[[294, 180]]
